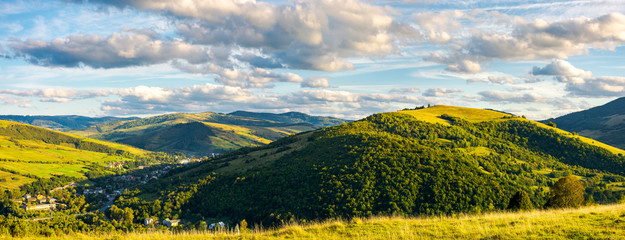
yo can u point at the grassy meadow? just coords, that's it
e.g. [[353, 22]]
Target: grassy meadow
[[21, 160], [594, 222]]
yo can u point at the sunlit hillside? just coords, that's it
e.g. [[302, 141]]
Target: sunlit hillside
[[28, 152]]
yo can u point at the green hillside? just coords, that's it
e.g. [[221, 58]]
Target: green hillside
[[194, 133], [293, 117], [439, 160], [28, 153], [604, 123]]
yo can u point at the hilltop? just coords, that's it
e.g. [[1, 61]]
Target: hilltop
[[29, 153], [202, 133], [62, 123], [604, 123], [438, 160]]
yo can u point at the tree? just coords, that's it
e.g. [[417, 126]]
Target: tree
[[551, 124], [520, 201], [567, 192]]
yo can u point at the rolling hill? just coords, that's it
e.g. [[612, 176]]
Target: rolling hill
[[197, 133], [604, 123], [61, 123], [438, 160], [28, 153]]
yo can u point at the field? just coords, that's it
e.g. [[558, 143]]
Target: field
[[23, 159], [594, 222]]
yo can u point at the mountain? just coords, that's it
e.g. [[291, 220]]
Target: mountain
[[61, 123], [29, 153], [195, 133], [432, 161], [293, 117], [604, 123]]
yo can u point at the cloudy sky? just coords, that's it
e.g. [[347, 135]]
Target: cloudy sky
[[343, 58]]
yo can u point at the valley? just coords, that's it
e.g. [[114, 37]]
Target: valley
[[435, 161]]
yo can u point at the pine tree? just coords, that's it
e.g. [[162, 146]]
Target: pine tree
[[520, 201]]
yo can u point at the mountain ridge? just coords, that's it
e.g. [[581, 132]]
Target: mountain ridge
[[605, 123]]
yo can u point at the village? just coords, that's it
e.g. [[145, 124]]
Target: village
[[106, 190]]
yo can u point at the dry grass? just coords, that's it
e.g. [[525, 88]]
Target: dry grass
[[595, 222]]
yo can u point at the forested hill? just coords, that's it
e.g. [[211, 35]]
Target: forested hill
[[605, 123], [195, 133], [293, 117], [62, 123], [438, 160]]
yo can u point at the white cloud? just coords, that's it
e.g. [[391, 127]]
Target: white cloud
[[117, 50], [316, 82], [581, 83], [317, 35], [559, 67], [441, 92], [539, 39]]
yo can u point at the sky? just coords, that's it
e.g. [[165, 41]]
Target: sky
[[341, 58]]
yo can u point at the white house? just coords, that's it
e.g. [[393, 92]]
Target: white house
[[171, 223]]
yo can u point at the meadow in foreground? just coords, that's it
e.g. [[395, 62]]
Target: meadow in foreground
[[594, 222]]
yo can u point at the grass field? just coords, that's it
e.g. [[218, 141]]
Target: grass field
[[595, 222], [20, 159]]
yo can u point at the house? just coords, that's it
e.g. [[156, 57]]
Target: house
[[26, 197], [219, 225], [39, 207], [148, 221], [171, 223]]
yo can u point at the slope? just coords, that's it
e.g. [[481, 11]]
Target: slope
[[293, 117], [604, 123], [439, 160], [194, 134], [62, 123], [28, 153]]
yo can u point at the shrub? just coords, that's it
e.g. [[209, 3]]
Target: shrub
[[566, 193]]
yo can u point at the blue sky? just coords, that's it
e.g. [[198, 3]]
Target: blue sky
[[343, 58]]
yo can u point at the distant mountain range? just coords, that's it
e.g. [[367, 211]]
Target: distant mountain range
[[293, 117], [62, 123], [604, 123], [206, 133]]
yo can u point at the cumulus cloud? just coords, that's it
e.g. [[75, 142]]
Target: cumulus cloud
[[316, 82], [114, 51], [539, 39], [317, 35], [559, 67], [441, 92], [580, 82]]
